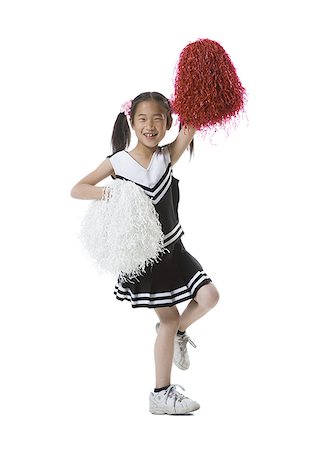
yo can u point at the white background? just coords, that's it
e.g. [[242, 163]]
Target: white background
[[77, 365]]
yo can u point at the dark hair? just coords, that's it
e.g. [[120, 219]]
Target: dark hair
[[121, 134]]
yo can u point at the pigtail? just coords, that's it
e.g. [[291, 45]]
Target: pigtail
[[191, 147], [121, 134]]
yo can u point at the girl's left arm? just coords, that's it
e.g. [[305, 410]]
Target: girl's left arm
[[180, 144]]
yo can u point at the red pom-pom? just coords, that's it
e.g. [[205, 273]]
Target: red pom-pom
[[207, 90]]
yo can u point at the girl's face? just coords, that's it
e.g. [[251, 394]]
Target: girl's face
[[150, 123]]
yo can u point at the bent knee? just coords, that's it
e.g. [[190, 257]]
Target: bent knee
[[215, 296], [208, 296]]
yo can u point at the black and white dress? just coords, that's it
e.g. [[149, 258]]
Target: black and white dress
[[178, 276]]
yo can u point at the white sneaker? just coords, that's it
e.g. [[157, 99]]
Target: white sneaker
[[170, 401], [180, 357]]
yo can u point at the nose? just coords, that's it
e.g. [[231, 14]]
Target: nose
[[150, 124]]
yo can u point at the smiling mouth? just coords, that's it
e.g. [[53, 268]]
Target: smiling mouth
[[150, 134]]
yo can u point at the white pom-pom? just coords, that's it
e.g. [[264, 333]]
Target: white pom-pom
[[123, 234]]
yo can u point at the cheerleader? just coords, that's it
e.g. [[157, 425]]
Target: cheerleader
[[177, 277], [208, 93]]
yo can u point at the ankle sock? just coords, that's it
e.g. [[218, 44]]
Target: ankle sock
[[161, 389], [180, 333]]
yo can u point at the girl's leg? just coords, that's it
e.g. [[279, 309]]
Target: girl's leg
[[164, 345], [206, 298]]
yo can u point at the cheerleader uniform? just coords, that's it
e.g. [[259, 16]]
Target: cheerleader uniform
[[178, 275]]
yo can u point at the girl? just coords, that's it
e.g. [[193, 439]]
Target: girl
[[178, 276]]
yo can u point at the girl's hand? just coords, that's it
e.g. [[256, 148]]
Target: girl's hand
[[106, 193]]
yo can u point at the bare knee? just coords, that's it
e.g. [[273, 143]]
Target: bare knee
[[214, 297], [207, 296]]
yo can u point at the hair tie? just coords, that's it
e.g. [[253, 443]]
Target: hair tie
[[126, 108]]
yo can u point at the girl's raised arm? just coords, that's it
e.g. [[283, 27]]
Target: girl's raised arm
[[177, 147], [86, 188]]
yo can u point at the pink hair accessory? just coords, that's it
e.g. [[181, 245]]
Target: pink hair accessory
[[126, 108]]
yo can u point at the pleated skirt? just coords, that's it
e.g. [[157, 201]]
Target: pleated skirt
[[174, 279]]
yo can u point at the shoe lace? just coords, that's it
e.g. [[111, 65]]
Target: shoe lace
[[184, 340], [173, 393]]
